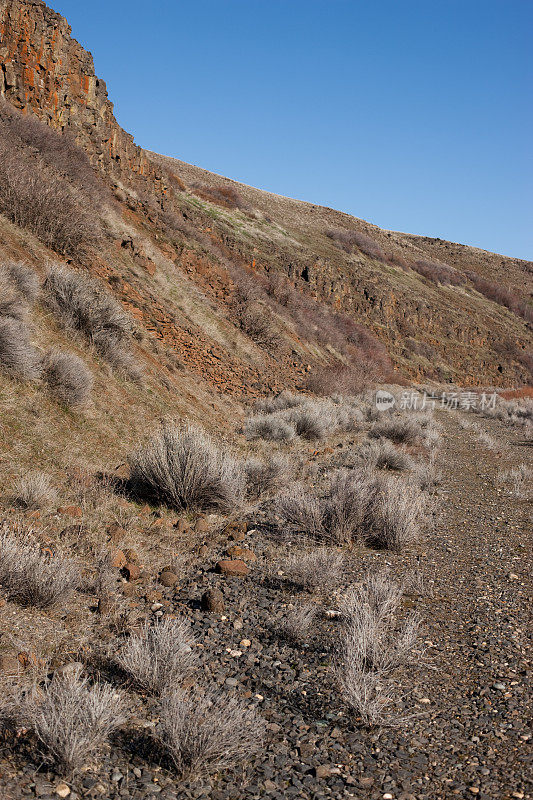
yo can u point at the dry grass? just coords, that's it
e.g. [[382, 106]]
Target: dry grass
[[518, 478], [71, 719], [34, 577], [375, 644], [23, 279], [263, 477], [182, 468], [18, 357], [297, 624], [67, 378], [382, 454], [203, 733], [160, 656], [270, 427], [279, 402], [397, 512], [317, 570], [402, 430], [82, 304], [34, 490]]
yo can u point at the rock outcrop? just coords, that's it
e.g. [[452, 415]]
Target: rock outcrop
[[45, 71]]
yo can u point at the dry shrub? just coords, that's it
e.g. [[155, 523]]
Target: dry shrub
[[34, 490], [509, 299], [382, 454], [358, 505], [203, 733], [18, 357], [34, 196], [225, 196], [317, 570], [19, 285], [518, 477], [337, 378], [270, 427], [32, 576], [297, 624], [160, 656], [375, 643], [279, 402], [257, 321], [402, 430], [183, 468], [67, 377], [395, 516], [71, 719], [267, 476], [438, 272], [348, 240], [82, 304]]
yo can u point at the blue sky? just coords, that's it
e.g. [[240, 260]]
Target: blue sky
[[416, 115]]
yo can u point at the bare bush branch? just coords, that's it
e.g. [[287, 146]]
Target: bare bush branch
[[34, 490], [67, 377]]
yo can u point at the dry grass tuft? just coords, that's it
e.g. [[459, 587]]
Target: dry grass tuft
[[297, 624], [317, 570], [160, 656], [396, 514], [263, 477], [270, 427], [34, 577], [22, 278], [382, 454], [67, 377], [18, 357], [375, 644], [34, 490], [71, 719], [82, 304], [183, 468], [203, 733]]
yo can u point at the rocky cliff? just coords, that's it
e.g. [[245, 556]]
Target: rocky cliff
[[44, 69]]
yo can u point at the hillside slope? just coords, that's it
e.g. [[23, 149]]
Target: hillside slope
[[253, 254]]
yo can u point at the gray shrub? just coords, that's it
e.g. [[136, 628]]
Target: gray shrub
[[67, 377]]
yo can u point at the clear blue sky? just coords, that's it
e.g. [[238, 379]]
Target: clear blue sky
[[413, 114]]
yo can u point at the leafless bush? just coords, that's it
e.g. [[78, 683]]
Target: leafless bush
[[396, 514], [518, 477], [182, 467], [258, 322], [347, 240], [311, 421], [438, 272], [382, 454], [32, 576], [208, 732], [22, 278], [35, 196], [280, 402], [18, 357], [301, 511], [225, 196], [71, 719], [12, 305], [270, 427], [375, 644], [82, 304], [402, 430], [509, 299], [339, 516], [427, 474], [297, 623], [266, 476], [67, 377], [160, 656], [34, 490], [487, 440], [314, 570]]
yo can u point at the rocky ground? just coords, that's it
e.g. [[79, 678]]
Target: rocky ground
[[463, 706]]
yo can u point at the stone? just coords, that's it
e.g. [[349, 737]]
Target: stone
[[236, 551], [233, 568], [213, 600], [118, 559], [202, 525], [168, 578], [116, 532], [131, 571], [203, 551], [131, 556], [9, 664], [62, 790], [323, 771], [70, 511]]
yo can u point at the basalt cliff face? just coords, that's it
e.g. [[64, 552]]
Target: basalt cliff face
[[250, 291], [48, 72]]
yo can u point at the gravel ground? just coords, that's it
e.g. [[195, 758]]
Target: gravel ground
[[464, 702]]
